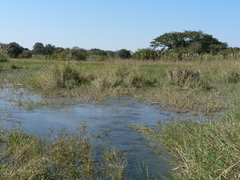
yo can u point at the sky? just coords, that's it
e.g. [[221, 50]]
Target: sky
[[114, 24]]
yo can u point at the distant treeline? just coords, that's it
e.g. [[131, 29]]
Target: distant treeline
[[174, 44]]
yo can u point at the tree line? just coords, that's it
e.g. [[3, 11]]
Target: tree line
[[170, 44]]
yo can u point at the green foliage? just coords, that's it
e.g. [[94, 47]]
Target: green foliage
[[147, 54], [97, 52], [188, 42], [49, 49], [38, 49], [25, 54], [78, 55], [124, 54], [14, 49], [3, 57], [68, 55]]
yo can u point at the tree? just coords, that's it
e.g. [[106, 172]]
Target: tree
[[124, 54], [146, 54], [110, 53], [14, 49], [188, 41], [78, 55], [38, 49], [3, 57], [49, 49], [97, 52], [25, 54]]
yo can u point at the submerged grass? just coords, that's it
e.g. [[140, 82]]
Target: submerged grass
[[25, 156]]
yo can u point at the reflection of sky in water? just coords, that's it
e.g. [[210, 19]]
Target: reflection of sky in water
[[111, 121]]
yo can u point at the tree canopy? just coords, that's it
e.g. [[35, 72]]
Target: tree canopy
[[14, 49], [188, 41]]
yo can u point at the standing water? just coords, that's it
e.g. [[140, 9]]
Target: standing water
[[109, 123]]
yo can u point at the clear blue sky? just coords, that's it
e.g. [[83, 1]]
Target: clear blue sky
[[114, 24]]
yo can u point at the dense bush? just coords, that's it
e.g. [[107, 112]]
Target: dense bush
[[66, 76], [147, 54], [14, 49], [124, 54], [3, 57], [68, 55], [78, 55], [25, 54]]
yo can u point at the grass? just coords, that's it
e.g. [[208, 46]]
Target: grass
[[202, 150], [200, 86], [25, 156]]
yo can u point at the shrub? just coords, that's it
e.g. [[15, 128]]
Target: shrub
[[78, 55], [187, 78], [124, 54], [25, 54], [3, 57], [146, 54], [67, 76]]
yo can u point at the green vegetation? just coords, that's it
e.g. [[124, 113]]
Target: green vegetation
[[193, 42], [3, 57], [25, 156], [202, 150], [204, 81], [185, 45], [202, 86]]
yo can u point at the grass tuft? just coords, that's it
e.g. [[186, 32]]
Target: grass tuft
[[25, 156], [202, 150]]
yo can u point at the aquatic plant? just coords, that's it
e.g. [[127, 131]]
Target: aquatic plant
[[114, 164], [26, 156]]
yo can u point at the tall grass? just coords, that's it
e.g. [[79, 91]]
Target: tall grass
[[3, 57], [200, 86], [25, 156], [67, 79], [202, 150]]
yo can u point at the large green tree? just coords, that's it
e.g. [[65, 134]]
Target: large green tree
[[38, 49], [14, 49], [124, 54], [188, 41]]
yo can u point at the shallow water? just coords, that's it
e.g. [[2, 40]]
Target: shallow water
[[108, 123]]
